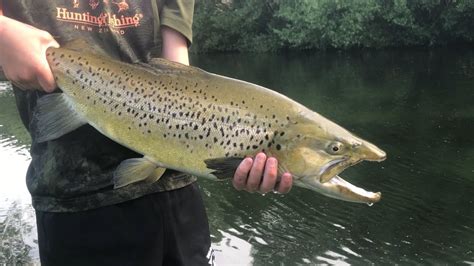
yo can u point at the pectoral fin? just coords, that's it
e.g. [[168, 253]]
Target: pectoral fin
[[136, 169], [223, 167], [55, 116]]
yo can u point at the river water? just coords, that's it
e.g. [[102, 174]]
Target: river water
[[416, 105]]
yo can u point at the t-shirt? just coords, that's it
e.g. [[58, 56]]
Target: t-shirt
[[75, 171]]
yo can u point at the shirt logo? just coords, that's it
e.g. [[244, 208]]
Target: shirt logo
[[91, 16]]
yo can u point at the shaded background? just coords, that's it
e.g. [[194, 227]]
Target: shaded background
[[415, 104]]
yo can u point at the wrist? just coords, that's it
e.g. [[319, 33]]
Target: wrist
[[6, 24], [3, 22]]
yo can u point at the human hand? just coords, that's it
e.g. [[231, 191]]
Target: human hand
[[23, 56], [259, 174]]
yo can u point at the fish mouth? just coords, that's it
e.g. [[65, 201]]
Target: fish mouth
[[332, 185], [339, 188], [334, 167]]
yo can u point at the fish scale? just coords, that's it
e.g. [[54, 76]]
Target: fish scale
[[186, 119], [181, 118]]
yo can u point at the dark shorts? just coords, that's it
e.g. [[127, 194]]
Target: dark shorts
[[166, 228]]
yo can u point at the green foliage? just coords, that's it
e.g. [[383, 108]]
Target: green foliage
[[261, 25], [242, 25]]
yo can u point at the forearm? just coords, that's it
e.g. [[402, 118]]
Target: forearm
[[2, 75], [174, 46]]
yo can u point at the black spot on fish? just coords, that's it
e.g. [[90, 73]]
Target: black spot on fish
[[278, 146]]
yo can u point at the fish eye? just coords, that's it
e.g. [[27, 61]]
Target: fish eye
[[335, 147]]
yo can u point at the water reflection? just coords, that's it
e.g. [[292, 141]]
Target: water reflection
[[415, 105], [17, 219]]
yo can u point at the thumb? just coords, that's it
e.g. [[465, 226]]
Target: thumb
[[45, 75]]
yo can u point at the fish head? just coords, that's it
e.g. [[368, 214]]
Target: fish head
[[316, 150]]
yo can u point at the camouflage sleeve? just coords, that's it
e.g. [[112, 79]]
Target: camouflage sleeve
[[178, 15]]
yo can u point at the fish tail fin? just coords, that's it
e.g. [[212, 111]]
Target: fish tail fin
[[54, 117]]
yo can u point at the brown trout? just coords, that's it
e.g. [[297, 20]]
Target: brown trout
[[183, 118]]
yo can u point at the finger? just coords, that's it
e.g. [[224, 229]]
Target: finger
[[286, 182], [255, 175], [269, 176], [53, 44], [46, 79], [240, 177]]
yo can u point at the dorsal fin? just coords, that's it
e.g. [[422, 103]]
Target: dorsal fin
[[81, 45], [161, 65]]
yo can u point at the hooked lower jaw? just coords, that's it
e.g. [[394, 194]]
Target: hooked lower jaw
[[339, 188], [332, 185]]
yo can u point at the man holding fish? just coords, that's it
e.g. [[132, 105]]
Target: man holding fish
[[82, 219]]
